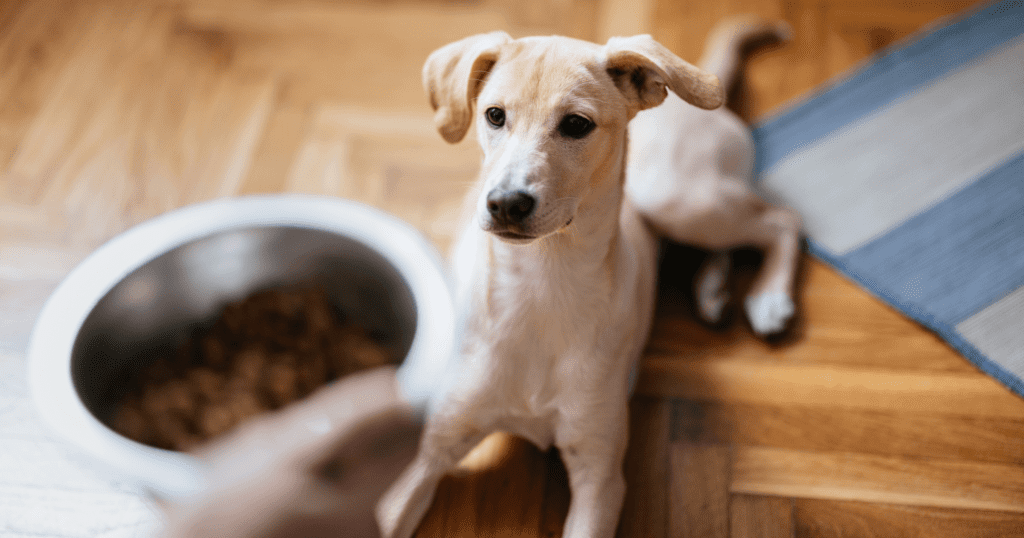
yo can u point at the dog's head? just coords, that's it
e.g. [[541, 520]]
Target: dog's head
[[551, 117]]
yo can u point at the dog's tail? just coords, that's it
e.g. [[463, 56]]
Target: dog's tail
[[731, 38]]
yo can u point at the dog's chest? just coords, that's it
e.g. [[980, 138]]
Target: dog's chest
[[540, 330], [534, 353], [540, 319]]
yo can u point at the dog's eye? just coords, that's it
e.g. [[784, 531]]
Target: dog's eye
[[495, 116], [575, 126]]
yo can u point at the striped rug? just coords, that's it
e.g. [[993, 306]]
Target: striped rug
[[909, 174]]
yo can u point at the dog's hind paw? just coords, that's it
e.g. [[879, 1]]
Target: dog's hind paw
[[769, 312], [710, 290]]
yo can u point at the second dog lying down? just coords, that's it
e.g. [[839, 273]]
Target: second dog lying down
[[555, 272], [689, 173]]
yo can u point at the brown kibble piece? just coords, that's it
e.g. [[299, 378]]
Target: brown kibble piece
[[208, 383], [281, 384], [248, 367], [312, 373], [319, 318], [368, 354], [214, 353], [215, 419], [244, 405], [169, 430], [180, 396], [156, 401], [130, 421]]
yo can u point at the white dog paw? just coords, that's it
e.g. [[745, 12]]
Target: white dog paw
[[711, 292], [768, 312], [711, 306]]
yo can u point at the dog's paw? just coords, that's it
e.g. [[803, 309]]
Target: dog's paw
[[712, 304], [769, 312], [710, 289]]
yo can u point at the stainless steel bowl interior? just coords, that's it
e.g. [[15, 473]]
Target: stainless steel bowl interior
[[159, 305]]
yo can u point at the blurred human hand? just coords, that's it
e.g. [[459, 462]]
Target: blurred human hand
[[315, 468]]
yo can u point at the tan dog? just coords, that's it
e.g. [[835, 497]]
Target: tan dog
[[556, 272], [689, 174]]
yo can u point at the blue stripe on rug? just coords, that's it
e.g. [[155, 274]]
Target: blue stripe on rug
[[906, 68]]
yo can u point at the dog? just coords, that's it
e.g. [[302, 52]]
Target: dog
[[555, 270]]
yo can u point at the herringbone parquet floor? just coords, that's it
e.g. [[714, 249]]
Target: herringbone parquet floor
[[858, 423]]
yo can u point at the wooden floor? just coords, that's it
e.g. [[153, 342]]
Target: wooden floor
[[857, 423]]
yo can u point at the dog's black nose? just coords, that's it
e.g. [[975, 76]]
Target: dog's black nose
[[509, 207]]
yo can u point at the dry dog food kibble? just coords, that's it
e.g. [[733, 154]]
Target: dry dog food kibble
[[265, 351]]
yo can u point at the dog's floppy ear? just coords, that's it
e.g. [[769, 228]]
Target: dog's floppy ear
[[452, 76], [642, 68]]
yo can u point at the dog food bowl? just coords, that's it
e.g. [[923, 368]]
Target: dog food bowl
[[146, 289]]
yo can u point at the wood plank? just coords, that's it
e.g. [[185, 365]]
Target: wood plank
[[862, 477], [394, 160], [36, 260], [321, 47], [278, 148], [646, 508], [452, 513], [506, 501], [58, 120], [699, 491], [774, 77], [760, 517], [856, 32], [494, 492], [126, 133], [890, 432], [624, 19], [581, 19], [766, 383], [36, 39], [831, 519]]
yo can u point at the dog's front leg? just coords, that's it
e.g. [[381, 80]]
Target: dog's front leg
[[593, 447], [446, 440]]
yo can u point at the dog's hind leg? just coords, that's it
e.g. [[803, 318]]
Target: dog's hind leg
[[769, 304], [444, 443], [737, 218]]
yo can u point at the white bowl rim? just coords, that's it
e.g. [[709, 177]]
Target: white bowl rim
[[173, 474]]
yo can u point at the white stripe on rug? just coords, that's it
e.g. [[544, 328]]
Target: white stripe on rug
[[996, 332], [868, 177]]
